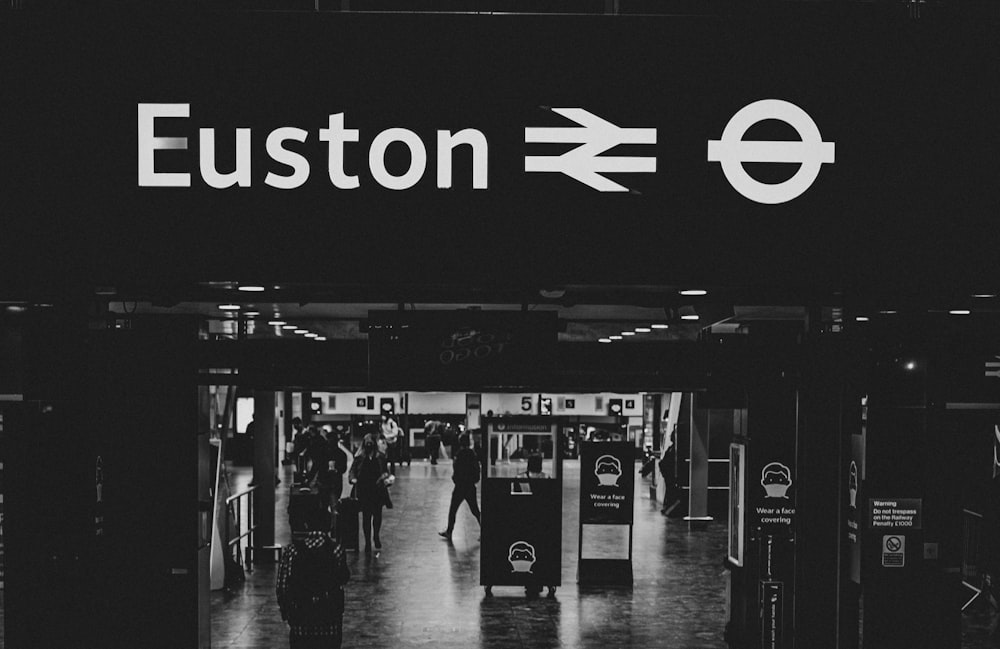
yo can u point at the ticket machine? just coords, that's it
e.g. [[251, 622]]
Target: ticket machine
[[521, 504]]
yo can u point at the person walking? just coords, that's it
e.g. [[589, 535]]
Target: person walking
[[465, 475], [370, 477], [390, 431], [310, 585]]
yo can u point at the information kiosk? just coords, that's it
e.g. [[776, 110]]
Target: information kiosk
[[521, 504]]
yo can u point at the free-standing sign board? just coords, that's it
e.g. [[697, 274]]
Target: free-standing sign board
[[607, 485], [521, 540]]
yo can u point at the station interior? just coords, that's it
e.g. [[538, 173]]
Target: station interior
[[710, 288], [696, 377]]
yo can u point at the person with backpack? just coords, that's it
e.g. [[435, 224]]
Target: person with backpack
[[310, 585], [465, 475]]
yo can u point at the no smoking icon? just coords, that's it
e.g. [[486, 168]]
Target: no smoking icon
[[893, 552]]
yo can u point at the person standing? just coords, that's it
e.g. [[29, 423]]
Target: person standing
[[370, 476], [310, 585], [465, 475], [432, 430]]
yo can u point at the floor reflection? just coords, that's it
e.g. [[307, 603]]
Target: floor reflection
[[423, 591]]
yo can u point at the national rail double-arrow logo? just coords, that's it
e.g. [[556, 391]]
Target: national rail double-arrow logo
[[993, 367]]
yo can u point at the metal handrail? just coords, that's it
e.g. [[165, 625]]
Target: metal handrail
[[973, 576], [235, 502]]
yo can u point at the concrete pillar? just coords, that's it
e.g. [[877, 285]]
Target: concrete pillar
[[698, 466], [263, 470]]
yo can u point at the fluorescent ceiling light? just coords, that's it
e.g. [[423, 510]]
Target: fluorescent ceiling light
[[661, 326], [615, 337], [693, 291], [642, 330], [603, 340], [276, 323], [959, 312], [689, 317], [251, 289], [229, 307], [628, 333]]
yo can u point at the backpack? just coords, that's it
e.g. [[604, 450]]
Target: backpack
[[314, 595], [466, 468]]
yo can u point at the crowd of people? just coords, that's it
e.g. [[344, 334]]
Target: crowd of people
[[313, 571]]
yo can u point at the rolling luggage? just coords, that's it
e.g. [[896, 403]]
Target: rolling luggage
[[348, 525]]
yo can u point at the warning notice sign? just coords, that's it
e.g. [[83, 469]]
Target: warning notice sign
[[893, 551], [896, 513]]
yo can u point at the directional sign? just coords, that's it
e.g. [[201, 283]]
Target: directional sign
[[732, 151], [596, 136]]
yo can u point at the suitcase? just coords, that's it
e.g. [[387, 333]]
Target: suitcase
[[348, 525]]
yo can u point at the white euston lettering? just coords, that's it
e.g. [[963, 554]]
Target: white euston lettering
[[148, 143]]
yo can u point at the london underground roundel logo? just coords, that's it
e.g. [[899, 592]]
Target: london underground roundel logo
[[732, 151]]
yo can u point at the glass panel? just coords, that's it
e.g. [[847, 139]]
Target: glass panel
[[522, 454]]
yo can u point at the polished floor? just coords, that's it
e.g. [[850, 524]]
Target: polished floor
[[421, 591]]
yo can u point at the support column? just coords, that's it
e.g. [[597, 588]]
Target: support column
[[263, 470], [698, 466]]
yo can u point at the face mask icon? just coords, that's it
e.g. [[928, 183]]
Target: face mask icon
[[521, 556], [852, 485], [776, 478], [608, 469]]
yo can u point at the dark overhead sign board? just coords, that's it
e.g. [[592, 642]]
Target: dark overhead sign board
[[532, 148]]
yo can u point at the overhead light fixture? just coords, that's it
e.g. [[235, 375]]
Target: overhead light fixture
[[251, 289], [301, 331], [661, 326], [862, 318], [312, 335], [16, 308], [628, 333], [888, 311], [276, 323], [642, 330], [615, 337], [959, 312], [229, 307], [910, 365], [603, 340], [689, 317], [693, 291], [320, 338], [251, 313], [984, 295], [288, 326]]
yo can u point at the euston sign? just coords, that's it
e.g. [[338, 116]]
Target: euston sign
[[584, 163]]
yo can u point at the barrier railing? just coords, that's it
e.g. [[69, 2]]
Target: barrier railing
[[240, 507], [973, 557]]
